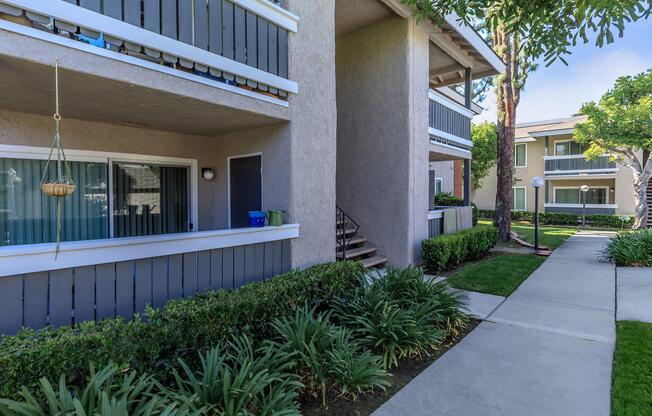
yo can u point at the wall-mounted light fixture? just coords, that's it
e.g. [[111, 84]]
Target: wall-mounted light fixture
[[207, 174]]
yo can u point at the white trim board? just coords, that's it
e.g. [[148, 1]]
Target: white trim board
[[73, 14], [448, 146], [585, 172], [75, 155], [525, 140], [605, 206], [559, 132], [447, 102], [17, 260], [81, 46], [433, 215], [582, 177], [436, 132], [228, 181]]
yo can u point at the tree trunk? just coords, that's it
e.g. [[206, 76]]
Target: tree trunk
[[641, 212]]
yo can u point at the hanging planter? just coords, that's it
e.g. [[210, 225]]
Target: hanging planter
[[62, 185]]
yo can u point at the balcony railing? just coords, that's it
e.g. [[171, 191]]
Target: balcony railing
[[238, 42], [564, 165], [449, 122]]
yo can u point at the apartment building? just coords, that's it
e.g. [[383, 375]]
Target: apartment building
[[547, 149], [181, 116]]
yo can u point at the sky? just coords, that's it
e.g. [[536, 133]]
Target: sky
[[559, 91]]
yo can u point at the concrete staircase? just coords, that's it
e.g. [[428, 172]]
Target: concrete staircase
[[352, 245]]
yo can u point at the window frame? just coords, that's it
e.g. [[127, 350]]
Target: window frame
[[524, 198], [77, 155], [605, 187], [569, 147], [515, 162], [439, 181]]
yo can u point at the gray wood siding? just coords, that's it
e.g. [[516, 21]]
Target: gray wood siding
[[449, 121], [74, 295], [435, 227], [580, 163]]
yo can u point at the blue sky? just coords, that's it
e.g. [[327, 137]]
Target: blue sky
[[559, 91]]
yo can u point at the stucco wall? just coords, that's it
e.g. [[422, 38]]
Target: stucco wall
[[444, 170], [382, 154], [313, 131]]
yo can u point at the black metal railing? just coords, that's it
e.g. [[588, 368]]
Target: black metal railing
[[343, 238]]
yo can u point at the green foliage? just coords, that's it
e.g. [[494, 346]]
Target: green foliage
[[106, 392], [549, 28], [559, 218], [327, 354], [236, 379], [182, 328], [447, 251], [631, 392], [630, 249], [484, 137], [401, 315]]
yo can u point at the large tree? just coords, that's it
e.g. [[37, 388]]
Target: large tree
[[523, 32], [483, 136], [620, 125]]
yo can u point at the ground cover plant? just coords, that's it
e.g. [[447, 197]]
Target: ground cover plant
[[499, 275], [631, 392], [630, 249]]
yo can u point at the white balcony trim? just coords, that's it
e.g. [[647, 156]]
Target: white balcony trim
[[525, 140], [605, 206], [448, 136], [271, 12], [81, 46], [40, 257], [89, 19], [580, 171], [580, 156], [465, 153], [447, 102], [436, 214], [559, 132]]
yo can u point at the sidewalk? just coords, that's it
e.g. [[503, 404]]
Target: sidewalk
[[547, 350]]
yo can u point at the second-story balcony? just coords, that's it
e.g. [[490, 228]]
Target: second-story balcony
[[572, 165], [449, 125], [241, 44]]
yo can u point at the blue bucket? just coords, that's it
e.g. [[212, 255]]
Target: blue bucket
[[257, 218]]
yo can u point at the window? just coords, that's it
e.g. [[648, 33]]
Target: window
[[519, 199], [438, 184], [598, 196], [568, 147], [520, 155], [113, 199]]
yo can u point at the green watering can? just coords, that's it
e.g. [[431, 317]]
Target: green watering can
[[275, 217]]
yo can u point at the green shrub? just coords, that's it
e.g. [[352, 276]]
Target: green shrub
[[327, 355], [630, 249], [237, 379], [447, 251], [106, 392], [180, 329], [400, 314], [560, 218]]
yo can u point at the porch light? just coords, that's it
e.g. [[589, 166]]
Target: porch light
[[207, 174]]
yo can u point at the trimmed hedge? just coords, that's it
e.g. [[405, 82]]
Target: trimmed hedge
[[181, 328], [447, 251], [559, 218]]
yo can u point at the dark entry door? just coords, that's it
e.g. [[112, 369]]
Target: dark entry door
[[246, 192]]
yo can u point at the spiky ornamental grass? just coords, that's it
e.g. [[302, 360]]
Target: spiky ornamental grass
[[630, 249]]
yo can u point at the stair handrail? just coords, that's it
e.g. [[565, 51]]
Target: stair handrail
[[342, 240]]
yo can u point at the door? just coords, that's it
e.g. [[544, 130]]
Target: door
[[245, 186]]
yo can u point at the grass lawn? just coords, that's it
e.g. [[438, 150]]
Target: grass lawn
[[631, 391], [549, 236], [498, 275]]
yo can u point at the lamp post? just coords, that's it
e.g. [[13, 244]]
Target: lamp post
[[584, 189], [537, 182]]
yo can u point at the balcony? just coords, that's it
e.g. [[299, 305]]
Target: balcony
[[449, 126], [238, 44], [577, 165]]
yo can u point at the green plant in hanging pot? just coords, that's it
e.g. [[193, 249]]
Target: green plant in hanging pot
[[63, 185]]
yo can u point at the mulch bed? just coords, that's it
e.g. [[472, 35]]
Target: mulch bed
[[401, 375]]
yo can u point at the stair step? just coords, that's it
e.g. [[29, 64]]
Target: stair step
[[358, 252], [347, 231], [354, 242], [374, 261]]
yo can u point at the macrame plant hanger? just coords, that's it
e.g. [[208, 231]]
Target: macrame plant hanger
[[63, 185]]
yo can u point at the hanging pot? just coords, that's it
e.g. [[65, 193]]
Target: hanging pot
[[58, 189]]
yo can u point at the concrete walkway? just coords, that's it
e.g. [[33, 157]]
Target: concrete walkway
[[634, 294], [546, 350]]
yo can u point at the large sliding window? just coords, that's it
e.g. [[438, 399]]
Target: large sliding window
[[568, 147], [149, 199], [27, 216], [571, 195], [113, 199]]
